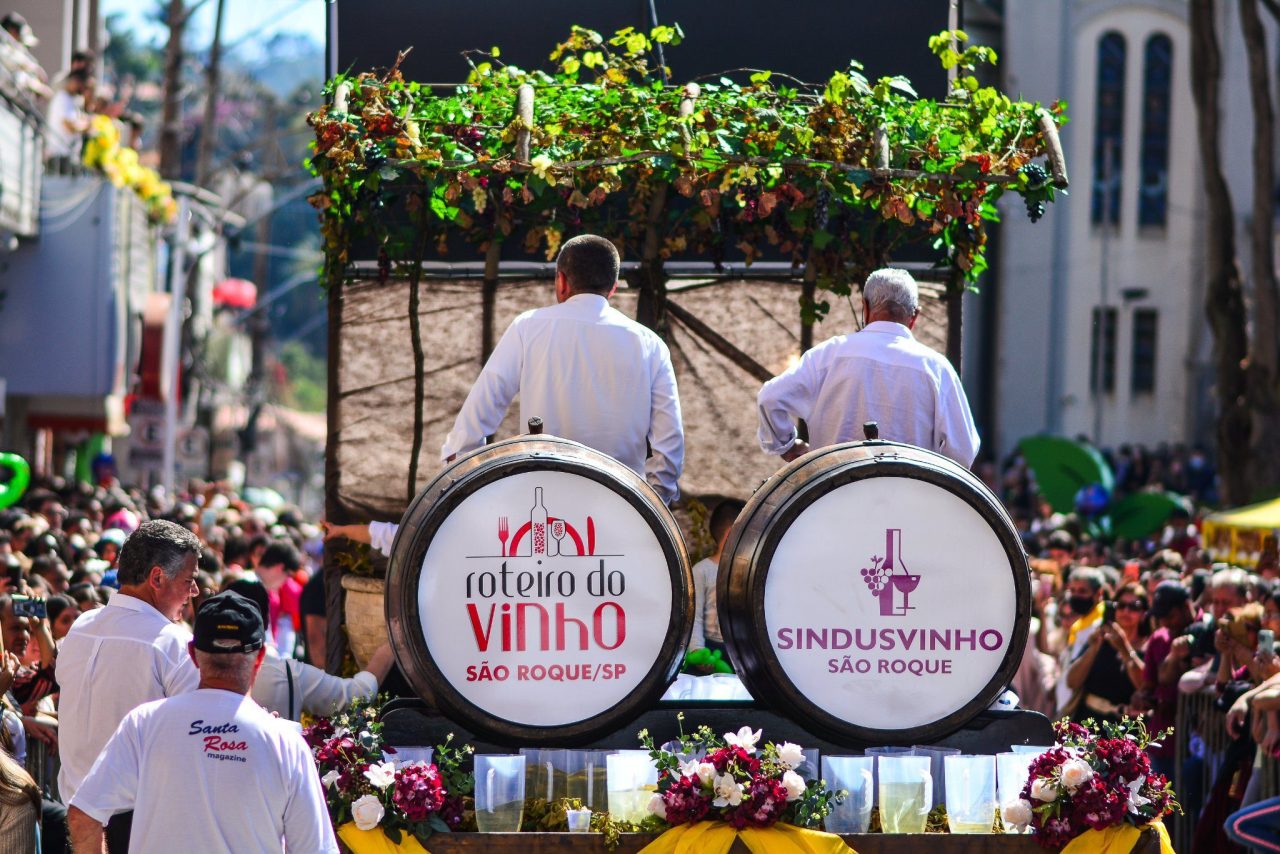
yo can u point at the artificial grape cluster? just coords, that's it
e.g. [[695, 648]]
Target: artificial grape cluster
[[1036, 178], [876, 575]]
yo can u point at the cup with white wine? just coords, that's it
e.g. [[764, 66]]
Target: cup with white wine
[[906, 791], [499, 793]]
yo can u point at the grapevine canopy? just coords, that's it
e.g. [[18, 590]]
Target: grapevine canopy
[[833, 177]]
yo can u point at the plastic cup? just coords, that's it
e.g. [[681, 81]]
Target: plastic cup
[[1012, 771], [632, 781], [499, 793], [579, 820], [905, 792], [405, 755], [936, 755], [854, 774], [884, 751], [1032, 749], [971, 793], [545, 773]]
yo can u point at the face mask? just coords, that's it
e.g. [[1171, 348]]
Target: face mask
[[1081, 604]]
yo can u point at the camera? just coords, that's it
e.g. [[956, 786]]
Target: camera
[[1201, 636], [26, 606]]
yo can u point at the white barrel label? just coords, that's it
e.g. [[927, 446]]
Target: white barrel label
[[545, 598], [890, 603]]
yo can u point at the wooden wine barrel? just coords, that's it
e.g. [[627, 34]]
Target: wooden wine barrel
[[875, 592], [539, 592]]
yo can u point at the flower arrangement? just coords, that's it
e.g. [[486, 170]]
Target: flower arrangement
[[727, 779], [1094, 778], [119, 163], [365, 785]]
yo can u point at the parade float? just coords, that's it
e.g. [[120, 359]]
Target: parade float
[[538, 596]]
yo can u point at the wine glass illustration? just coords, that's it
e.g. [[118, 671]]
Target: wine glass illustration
[[904, 581], [557, 533]]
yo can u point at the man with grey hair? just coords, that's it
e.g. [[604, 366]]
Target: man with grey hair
[[591, 374], [131, 652], [210, 770], [882, 374]]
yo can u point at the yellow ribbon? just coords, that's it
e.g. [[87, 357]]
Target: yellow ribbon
[[376, 842], [714, 837], [1116, 840]]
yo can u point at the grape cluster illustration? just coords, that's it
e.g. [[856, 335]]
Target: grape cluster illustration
[[1037, 177], [876, 575]]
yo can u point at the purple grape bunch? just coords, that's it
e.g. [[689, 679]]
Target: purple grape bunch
[[877, 575]]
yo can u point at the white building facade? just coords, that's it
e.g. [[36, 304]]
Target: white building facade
[[1100, 314]]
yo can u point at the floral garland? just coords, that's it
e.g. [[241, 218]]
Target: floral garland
[[1096, 777], [724, 779], [365, 784], [119, 163]]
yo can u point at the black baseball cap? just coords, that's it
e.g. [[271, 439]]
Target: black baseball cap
[[1168, 595], [229, 623]]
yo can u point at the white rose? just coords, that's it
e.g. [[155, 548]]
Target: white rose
[[689, 769], [1044, 790], [706, 772], [658, 806], [1075, 773], [744, 738], [381, 774], [794, 784], [1017, 813], [329, 779], [728, 792], [791, 755], [367, 812]]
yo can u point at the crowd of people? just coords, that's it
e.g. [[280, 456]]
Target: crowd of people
[[99, 593]]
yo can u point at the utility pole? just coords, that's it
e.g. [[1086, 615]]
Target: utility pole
[[171, 118], [209, 127]]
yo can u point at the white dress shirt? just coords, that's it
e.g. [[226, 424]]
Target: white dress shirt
[[879, 374], [113, 660], [382, 535], [212, 772], [592, 375], [314, 691]]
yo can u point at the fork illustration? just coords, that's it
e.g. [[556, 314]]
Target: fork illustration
[[503, 532]]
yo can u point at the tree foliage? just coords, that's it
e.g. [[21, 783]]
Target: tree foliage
[[761, 166]]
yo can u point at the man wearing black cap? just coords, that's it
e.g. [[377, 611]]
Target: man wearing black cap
[[209, 770]]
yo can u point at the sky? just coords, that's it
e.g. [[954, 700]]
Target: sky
[[252, 21]]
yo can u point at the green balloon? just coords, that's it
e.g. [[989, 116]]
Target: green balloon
[[12, 491]]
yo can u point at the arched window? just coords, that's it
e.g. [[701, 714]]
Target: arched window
[[1108, 133], [1157, 77]]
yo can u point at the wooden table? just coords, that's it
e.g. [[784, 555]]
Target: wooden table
[[862, 843]]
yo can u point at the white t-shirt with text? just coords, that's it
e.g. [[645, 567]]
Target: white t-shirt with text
[[210, 771]]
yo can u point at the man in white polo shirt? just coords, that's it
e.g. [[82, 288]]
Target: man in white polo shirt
[[211, 770], [131, 652]]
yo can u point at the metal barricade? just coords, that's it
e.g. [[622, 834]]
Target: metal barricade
[[43, 766], [1199, 718]]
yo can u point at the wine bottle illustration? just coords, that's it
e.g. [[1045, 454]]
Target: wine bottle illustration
[[538, 523], [900, 581]]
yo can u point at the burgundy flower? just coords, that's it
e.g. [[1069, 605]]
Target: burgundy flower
[[733, 757], [686, 801], [451, 811], [418, 791]]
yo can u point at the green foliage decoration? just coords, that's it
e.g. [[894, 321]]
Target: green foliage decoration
[[765, 165]]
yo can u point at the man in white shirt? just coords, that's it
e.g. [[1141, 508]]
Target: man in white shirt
[[131, 652], [589, 372], [289, 687], [67, 120], [879, 374], [706, 618], [210, 771]]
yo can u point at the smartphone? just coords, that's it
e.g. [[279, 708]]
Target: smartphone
[[25, 606], [1108, 612], [13, 571], [1266, 642]]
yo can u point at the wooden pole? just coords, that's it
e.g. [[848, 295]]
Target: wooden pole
[[334, 511], [524, 112], [719, 343]]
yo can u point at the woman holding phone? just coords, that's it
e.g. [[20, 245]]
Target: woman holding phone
[[1104, 677]]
